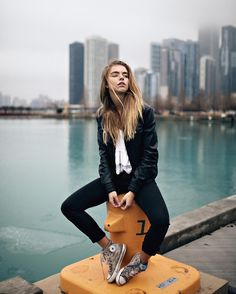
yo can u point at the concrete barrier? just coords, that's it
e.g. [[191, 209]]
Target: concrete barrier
[[199, 222]]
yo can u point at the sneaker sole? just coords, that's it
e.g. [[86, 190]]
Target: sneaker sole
[[118, 276], [113, 276]]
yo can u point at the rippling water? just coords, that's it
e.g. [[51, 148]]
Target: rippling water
[[44, 161]]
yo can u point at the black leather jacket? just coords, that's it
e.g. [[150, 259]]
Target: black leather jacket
[[142, 152]]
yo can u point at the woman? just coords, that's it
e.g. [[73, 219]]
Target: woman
[[128, 164]]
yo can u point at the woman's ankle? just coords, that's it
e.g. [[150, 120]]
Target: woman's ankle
[[104, 242]]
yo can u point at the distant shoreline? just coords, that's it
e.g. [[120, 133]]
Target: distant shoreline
[[229, 116]]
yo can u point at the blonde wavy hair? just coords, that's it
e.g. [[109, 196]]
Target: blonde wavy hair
[[131, 106]]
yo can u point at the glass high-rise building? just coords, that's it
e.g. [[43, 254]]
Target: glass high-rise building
[[207, 76], [191, 70], [209, 46], [76, 73], [209, 42], [164, 74], [228, 60], [96, 58], [113, 51], [155, 62], [177, 53]]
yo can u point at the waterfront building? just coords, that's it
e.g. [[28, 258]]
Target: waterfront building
[[191, 80], [207, 76], [175, 44], [42, 101], [76, 73], [155, 62], [96, 57], [177, 53], [228, 60], [148, 83], [164, 74], [209, 46], [209, 42], [151, 87], [113, 51], [175, 73], [140, 76], [5, 100]]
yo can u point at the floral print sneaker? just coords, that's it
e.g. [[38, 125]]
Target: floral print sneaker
[[134, 267], [113, 255]]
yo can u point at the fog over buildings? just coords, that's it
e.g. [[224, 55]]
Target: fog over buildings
[[35, 35]]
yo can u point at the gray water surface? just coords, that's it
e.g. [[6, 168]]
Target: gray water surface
[[44, 161]]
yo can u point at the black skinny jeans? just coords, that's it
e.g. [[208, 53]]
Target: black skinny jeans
[[148, 198]]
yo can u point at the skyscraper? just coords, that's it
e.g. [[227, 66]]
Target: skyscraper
[[177, 53], [207, 76], [151, 88], [164, 74], [228, 60], [155, 61], [76, 73], [209, 46], [113, 51], [191, 70], [140, 75], [209, 42], [96, 57]]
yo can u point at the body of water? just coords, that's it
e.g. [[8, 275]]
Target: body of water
[[44, 161]]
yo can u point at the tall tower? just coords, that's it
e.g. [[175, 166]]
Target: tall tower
[[228, 60], [191, 70], [164, 74], [113, 51], [96, 57], [209, 42], [207, 75], [76, 73], [209, 46], [177, 53], [155, 62]]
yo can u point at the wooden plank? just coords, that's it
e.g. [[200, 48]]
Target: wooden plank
[[214, 253]]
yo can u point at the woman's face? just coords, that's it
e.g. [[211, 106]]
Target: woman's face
[[118, 79]]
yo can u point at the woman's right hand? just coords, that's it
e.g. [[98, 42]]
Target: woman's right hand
[[113, 199]]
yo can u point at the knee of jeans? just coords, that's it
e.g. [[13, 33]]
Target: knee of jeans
[[65, 207]]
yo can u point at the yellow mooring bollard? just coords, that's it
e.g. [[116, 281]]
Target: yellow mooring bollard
[[163, 275], [127, 226]]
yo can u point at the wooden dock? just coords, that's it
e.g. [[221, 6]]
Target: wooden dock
[[214, 253]]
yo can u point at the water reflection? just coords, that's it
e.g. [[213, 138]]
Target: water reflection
[[82, 151], [195, 163]]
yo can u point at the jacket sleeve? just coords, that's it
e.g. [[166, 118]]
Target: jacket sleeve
[[104, 168], [147, 169]]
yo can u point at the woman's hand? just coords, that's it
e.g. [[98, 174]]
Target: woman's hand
[[127, 200], [113, 199]]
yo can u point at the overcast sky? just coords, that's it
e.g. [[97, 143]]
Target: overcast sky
[[35, 35]]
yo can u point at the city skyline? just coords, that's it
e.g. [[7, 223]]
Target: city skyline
[[34, 41]]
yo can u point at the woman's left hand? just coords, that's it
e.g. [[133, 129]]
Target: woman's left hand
[[127, 200]]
